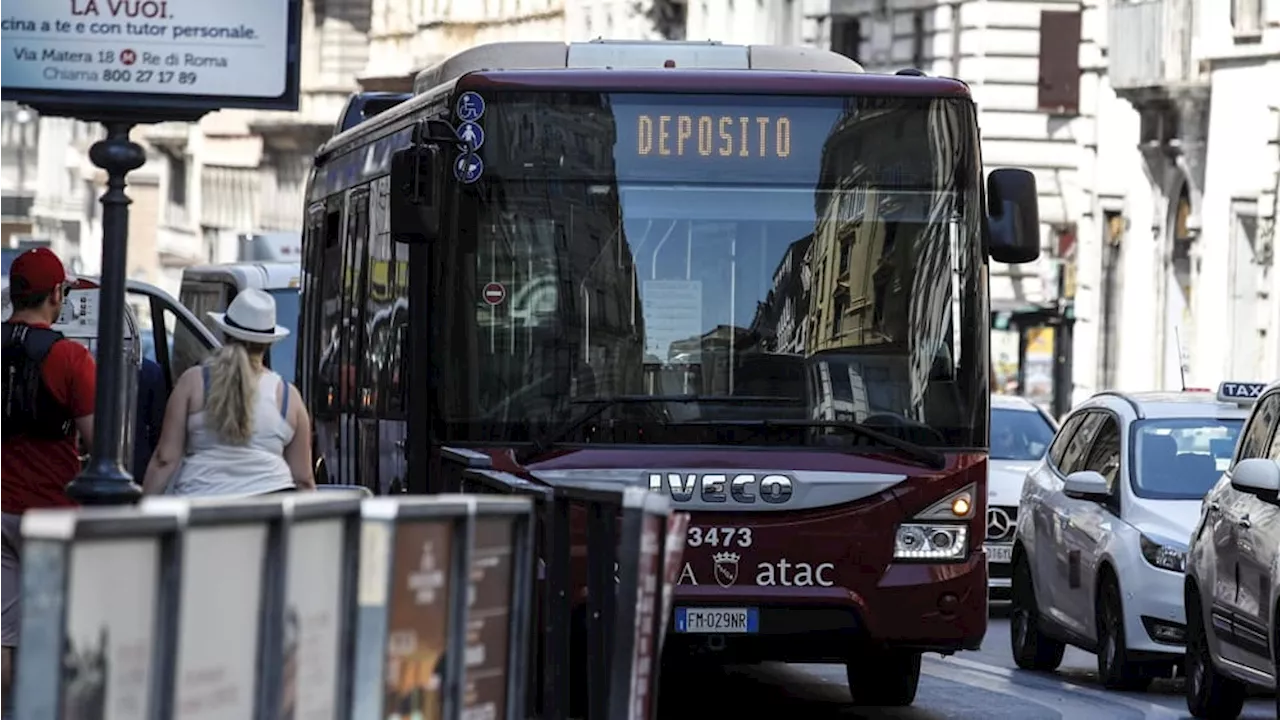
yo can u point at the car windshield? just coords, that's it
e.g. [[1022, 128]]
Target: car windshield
[[1181, 459], [1019, 434], [283, 353], [821, 250]]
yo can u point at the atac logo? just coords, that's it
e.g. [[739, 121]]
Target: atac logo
[[726, 568]]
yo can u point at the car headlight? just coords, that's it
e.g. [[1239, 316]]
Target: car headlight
[[931, 541], [1163, 554]]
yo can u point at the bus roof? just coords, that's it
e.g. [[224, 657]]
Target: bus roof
[[261, 275], [597, 55], [603, 54]]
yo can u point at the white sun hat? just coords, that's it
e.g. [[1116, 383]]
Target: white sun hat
[[250, 317]]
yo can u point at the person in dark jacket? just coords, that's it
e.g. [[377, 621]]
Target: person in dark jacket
[[153, 396]]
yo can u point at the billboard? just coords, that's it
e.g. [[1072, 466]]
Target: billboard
[[162, 57]]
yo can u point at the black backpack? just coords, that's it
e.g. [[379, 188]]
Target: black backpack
[[29, 406]]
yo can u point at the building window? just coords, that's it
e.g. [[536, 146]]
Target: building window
[[1246, 18], [917, 40], [839, 308], [1059, 91], [178, 180], [846, 36]]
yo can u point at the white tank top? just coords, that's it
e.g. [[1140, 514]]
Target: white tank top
[[212, 467]]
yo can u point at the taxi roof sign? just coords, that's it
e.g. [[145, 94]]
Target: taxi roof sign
[[1240, 393]]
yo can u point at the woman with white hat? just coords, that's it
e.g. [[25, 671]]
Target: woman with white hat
[[233, 427]]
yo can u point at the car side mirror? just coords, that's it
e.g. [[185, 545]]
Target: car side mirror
[[413, 206], [1013, 216], [1257, 476], [1086, 485]]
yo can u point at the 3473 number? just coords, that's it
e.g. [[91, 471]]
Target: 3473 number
[[719, 537]]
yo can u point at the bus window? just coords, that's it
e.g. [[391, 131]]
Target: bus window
[[355, 247], [186, 348], [329, 329], [203, 298], [395, 381], [377, 320]]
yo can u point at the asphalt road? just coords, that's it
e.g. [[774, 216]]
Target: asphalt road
[[982, 685]]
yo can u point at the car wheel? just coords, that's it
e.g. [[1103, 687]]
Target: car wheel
[[887, 678], [1032, 649], [1210, 694], [1115, 669]]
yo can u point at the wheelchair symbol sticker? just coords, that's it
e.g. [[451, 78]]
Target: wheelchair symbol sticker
[[470, 107], [471, 134], [468, 168]]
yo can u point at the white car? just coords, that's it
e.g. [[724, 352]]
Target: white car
[[1233, 571], [1020, 435], [1103, 528]]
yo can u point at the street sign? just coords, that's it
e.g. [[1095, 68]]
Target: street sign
[[494, 293], [156, 55]]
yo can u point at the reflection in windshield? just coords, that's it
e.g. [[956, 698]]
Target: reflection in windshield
[[1019, 434], [820, 248], [1181, 459]]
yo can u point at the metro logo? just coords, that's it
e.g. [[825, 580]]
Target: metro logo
[[719, 487]]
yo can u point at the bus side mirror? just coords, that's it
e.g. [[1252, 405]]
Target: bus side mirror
[[415, 214], [1013, 216]]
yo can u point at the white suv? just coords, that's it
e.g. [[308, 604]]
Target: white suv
[[1233, 572], [1020, 435], [1103, 527]]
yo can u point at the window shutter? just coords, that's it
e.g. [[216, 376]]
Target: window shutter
[[1059, 91]]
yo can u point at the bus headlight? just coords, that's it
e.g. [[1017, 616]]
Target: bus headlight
[[931, 541], [1163, 554]]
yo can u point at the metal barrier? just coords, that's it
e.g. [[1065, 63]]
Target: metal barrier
[[269, 607]]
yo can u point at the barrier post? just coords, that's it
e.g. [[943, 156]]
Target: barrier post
[[317, 630], [487, 481], [600, 503], [500, 587], [634, 666], [411, 596], [98, 592], [230, 594]]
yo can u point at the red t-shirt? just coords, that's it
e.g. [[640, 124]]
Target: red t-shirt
[[35, 471]]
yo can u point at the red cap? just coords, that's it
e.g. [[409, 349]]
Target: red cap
[[34, 272]]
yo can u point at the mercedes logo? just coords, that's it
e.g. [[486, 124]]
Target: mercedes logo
[[999, 525]]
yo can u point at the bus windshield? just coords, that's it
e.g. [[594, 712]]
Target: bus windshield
[[817, 257]]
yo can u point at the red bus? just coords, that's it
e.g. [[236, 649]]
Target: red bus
[[752, 278]]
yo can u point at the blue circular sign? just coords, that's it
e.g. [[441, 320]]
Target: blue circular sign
[[468, 168], [470, 107], [471, 134]]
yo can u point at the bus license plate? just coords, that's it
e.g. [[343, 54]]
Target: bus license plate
[[999, 553], [717, 620]]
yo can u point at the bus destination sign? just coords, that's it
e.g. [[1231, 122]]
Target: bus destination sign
[[176, 53], [712, 137]]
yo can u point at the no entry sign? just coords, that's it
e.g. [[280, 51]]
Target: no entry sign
[[494, 293]]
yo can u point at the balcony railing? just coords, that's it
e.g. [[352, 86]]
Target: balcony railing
[[1149, 44]]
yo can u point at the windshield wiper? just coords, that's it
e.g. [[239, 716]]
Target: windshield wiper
[[910, 450], [600, 405]]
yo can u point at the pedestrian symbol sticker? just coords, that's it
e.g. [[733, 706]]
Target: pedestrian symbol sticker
[[471, 134], [468, 168], [470, 107]]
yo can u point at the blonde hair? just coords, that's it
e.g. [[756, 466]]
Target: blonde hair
[[232, 391]]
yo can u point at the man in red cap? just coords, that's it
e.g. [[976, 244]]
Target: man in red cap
[[49, 385]]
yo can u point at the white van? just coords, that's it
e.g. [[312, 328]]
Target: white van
[[210, 288]]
